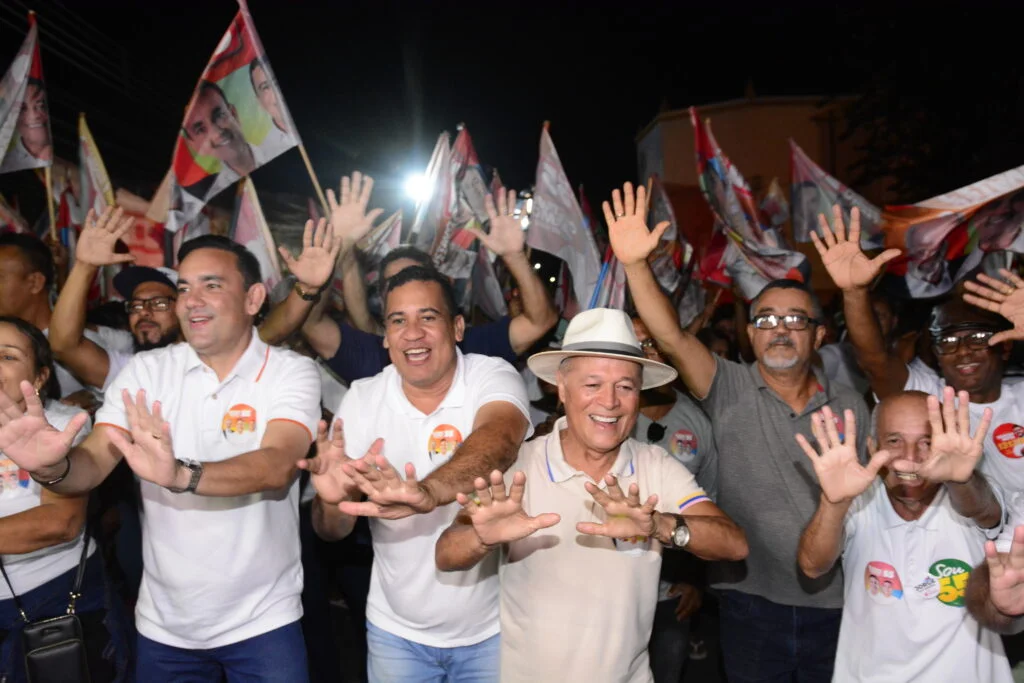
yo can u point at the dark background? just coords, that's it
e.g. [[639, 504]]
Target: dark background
[[371, 84]]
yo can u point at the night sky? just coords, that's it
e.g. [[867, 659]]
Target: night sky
[[370, 85]]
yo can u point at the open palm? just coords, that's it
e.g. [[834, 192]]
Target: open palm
[[28, 439], [320, 249], [1005, 297], [1006, 575], [841, 254], [506, 236], [325, 469], [349, 218], [97, 244], [626, 217], [498, 518], [840, 474]]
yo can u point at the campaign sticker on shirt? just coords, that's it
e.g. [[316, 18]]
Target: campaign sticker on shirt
[[240, 419], [1009, 439], [443, 442], [683, 443], [952, 576], [634, 546], [927, 588], [882, 583], [12, 477]]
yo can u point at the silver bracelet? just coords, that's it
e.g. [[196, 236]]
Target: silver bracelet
[[53, 482]]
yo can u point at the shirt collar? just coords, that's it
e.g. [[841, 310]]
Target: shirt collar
[[928, 520], [250, 366], [455, 397], [560, 471], [824, 394]]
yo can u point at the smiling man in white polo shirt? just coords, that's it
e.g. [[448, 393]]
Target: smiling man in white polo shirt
[[449, 418], [908, 541], [214, 429], [578, 599]]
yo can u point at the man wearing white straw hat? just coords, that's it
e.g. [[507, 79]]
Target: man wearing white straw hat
[[581, 552]]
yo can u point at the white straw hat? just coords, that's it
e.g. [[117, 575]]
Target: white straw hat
[[601, 333]]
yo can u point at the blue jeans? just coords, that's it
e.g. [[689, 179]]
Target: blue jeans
[[396, 660], [765, 642], [278, 656]]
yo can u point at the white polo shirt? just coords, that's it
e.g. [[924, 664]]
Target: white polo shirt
[[904, 617], [20, 492], [409, 597], [218, 570], [575, 607], [1004, 444]]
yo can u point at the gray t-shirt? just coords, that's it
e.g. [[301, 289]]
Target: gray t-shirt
[[687, 435], [767, 485]]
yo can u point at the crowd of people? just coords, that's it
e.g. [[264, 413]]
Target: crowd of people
[[851, 504]]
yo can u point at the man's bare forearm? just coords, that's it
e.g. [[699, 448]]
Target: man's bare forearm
[[821, 543], [330, 523], [975, 500], [285, 319], [459, 547], [354, 292], [711, 537], [538, 310], [41, 527], [886, 371], [494, 447]]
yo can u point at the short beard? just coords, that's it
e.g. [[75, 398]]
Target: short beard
[[780, 364], [166, 340]]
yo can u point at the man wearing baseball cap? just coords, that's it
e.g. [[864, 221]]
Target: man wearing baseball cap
[[149, 295], [583, 538]]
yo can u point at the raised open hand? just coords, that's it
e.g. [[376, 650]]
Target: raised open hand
[[1005, 297], [848, 266], [97, 244], [150, 452], [954, 453], [320, 249], [388, 496], [349, 219], [626, 517], [626, 217], [506, 236], [499, 518], [1006, 575], [325, 469], [840, 474], [29, 440]]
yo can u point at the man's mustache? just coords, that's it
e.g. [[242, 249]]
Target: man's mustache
[[781, 341]]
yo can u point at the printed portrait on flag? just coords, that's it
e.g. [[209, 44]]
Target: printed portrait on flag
[[236, 121], [30, 145]]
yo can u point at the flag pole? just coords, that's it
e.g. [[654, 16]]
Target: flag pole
[[316, 181], [48, 174]]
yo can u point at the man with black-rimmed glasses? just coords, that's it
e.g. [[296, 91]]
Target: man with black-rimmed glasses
[[775, 623]]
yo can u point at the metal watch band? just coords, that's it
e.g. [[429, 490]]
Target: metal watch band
[[196, 469]]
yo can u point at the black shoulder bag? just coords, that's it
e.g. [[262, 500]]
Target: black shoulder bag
[[55, 647]]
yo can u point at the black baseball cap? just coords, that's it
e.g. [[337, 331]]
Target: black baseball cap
[[131, 277]]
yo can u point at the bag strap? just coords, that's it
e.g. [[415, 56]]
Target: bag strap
[[76, 588]]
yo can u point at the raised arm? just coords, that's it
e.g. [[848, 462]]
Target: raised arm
[[842, 479], [853, 272], [312, 271], [995, 591], [86, 359], [508, 241], [352, 222], [1003, 296], [632, 243], [498, 431]]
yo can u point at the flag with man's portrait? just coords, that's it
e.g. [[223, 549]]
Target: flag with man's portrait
[[25, 138], [236, 121]]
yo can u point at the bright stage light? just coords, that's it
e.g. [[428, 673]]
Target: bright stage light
[[417, 187]]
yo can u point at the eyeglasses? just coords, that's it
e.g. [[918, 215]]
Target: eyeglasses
[[792, 321], [950, 344], [156, 304], [655, 432]]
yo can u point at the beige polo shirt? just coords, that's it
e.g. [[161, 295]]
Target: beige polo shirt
[[577, 607]]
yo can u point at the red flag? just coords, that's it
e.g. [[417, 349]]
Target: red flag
[[236, 121]]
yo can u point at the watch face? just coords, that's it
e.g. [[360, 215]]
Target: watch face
[[681, 536]]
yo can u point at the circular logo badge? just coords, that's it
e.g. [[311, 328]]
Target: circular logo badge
[[952, 576], [1009, 439], [443, 442], [240, 419], [882, 583], [684, 442]]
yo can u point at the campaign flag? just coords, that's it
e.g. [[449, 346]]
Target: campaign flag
[[376, 245], [611, 292], [486, 291], [236, 121], [667, 258], [814, 192], [431, 208], [556, 223], [452, 250], [97, 192], [25, 138], [249, 228]]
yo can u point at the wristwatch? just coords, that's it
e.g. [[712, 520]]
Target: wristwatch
[[681, 534], [197, 471], [311, 295]]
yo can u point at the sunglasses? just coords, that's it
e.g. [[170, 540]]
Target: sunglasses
[[950, 343]]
